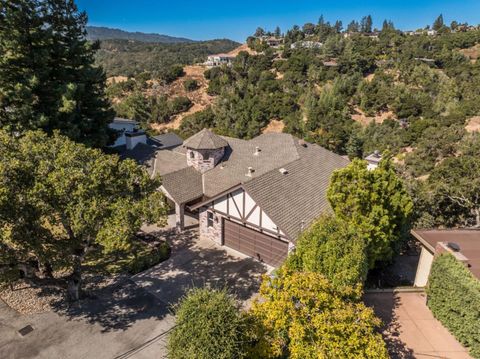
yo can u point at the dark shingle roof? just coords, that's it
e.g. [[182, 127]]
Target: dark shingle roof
[[142, 153], [205, 140], [275, 150], [166, 140], [183, 185], [295, 199]]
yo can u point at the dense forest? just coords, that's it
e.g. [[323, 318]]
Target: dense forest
[[412, 95], [127, 57], [106, 33]]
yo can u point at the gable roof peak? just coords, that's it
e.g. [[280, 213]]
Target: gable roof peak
[[205, 140]]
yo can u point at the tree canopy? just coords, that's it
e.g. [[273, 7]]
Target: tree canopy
[[302, 315], [60, 199], [333, 248], [375, 203], [48, 79]]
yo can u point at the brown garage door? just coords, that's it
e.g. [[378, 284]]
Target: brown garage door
[[254, 244]]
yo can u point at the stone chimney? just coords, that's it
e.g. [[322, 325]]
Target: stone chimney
[[133, 138]]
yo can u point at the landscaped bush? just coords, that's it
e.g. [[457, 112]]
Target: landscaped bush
[[149, 259], [454, 298], [209, 325]]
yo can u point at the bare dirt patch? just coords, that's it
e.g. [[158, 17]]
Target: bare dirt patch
[[275, 126], [360, 117], [473, 124], [241, 48], [473, 53], [116, 79]]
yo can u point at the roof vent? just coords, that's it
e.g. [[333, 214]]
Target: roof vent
[[257, 151], [453, 246], [250, 171], [302, 143], [283, 171]]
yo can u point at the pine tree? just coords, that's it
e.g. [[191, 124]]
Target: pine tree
[[48, 78], [438, 23], [23, 69]]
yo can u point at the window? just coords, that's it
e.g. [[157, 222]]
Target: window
[[192, 155], [209, 219]]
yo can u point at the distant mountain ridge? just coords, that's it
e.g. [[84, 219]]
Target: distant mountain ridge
[[106, 33]]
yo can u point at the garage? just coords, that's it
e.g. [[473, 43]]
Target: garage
[[265, 248]]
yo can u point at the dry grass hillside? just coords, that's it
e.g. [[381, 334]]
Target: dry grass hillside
[[473, 53], [360, 117], [199, 97]]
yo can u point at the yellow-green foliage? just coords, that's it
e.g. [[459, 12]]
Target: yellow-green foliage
[[302, 315], [454, 298]]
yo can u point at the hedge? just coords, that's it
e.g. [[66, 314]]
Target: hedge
[[454, 299]]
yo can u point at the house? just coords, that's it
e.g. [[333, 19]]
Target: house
[[431, 32], [255, 196], [306, 45], [142, 148], [219, 60], [373, 160], [463, 244], [273, 41], [122, 125]]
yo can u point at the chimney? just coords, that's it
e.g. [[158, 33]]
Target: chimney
[[257, 151], [250, 172], [133, 138]]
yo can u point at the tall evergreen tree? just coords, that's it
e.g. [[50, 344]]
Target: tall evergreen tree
[[366, 24], [438, 23], [48, 78]]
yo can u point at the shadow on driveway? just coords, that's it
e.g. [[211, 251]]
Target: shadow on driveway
[[196, 263]]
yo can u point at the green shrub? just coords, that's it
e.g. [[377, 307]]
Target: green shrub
[[209, 325], [179, 104], [454, 298], [333, 248], [190, 85], [147, 260]]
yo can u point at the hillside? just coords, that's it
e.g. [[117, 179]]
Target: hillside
[[106, 33], [129, 58]]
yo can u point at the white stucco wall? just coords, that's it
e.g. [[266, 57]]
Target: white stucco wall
[[120, 141], [423, 268]]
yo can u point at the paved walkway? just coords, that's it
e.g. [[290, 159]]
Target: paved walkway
[[410, 329]]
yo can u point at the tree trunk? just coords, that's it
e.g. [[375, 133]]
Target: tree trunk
[[477, 217], [75, 280], [45, 269]]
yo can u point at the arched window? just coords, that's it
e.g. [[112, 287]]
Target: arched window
[[192, 155]]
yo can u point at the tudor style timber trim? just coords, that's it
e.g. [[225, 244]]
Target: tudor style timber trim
[[237, 205]]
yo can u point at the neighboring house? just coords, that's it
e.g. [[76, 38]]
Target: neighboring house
[[273, 41], [463, 244], [255, 196], [142, 148], [122, 125], [219, 60], [373, 160], [306, 45]]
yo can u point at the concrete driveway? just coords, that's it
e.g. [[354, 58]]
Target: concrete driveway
[[410, 330], [132, 317], [196, 263]]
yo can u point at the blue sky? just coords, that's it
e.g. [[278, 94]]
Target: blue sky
[[236, 19]]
